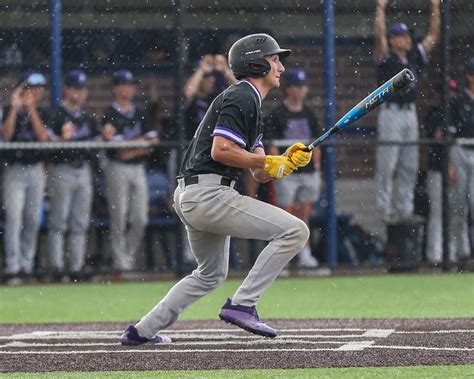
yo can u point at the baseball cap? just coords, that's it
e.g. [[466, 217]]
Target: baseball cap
[[398, 29], [123, 77], [295, 77], [75, 79], [32, 79], [470, 67]]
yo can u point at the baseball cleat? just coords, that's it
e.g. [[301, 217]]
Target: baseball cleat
[[131, 338], [245, 318]]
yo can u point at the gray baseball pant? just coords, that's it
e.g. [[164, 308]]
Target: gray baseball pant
[[396, 165], [127, 197], [212, 213], [70, 191], [23, 191], [434, 240], [462, 159]]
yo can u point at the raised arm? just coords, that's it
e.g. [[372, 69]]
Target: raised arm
[[192, 84], [380, 31], [432, 38], [222, 67], [8, 128]]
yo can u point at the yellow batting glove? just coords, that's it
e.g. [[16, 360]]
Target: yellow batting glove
[[298, 155], [278, 166]]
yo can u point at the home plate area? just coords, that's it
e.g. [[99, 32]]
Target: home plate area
[[216, 345]]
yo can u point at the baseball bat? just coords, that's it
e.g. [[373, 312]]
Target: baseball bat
[[372, 101]]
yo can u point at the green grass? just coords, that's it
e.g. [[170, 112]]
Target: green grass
[[352, 372], [332, 297]]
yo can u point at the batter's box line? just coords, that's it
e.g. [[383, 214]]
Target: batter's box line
[[233, 351]]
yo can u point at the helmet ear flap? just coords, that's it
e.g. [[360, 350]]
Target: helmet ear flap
[[259, 68]]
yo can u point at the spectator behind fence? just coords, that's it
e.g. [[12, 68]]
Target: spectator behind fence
[[127, 188], [201, 88], [70, 180], [23, 176], [397, 119], [462, 158], [435, 125], [293, 120]]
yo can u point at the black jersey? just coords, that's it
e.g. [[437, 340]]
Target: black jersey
[[435, 122], [391, 65], [462, 116], [129, 126], [24, 133], [194, 112], [300, 126], [235, 114], [85, 130]]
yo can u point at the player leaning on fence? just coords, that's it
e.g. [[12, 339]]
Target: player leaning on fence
[[23, 176], [227, 141], [398, 120]]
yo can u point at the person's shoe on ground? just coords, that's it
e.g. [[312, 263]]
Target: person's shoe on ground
[[131, 338], [306, 259], [245, 318]]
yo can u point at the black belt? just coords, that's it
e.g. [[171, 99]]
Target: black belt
[[188, 180]]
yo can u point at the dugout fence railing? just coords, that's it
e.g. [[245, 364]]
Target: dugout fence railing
[[168, 221]]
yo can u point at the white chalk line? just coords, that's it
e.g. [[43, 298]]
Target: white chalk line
[[168, 351], [261, 341], [434, 331]]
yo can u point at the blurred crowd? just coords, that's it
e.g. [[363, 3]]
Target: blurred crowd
[[126, 190]]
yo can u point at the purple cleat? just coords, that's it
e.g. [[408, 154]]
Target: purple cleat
[[131, 338], [245, 318]]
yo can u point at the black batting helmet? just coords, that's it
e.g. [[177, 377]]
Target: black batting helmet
[[247, 55]]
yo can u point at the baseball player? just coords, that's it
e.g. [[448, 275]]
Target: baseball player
[[436, 128], [127, 187], [397, 165], [70, 179], [228, 140], [462, 159], [23, 175], [293, 120]]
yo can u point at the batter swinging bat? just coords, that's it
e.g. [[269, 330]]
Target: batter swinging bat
[[379, 96]]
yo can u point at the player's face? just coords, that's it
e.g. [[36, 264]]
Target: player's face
[[276, 70], [297, 92], [36, 93], [125, 91], [402, 42], [76, 96]]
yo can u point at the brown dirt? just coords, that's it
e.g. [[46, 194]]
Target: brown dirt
[[216, 345]]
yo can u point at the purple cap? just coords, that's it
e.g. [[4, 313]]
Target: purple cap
[[398, 29], [75, 79], [295, 77], [123, 77], [32, 79], [470, 67]]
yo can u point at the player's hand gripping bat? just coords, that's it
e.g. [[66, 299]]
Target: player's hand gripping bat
[[379, 96]]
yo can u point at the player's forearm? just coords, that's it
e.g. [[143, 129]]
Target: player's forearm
[[38, 126], [231, 154], [8, 127], [381, 45], [435, 28], [192, 84]]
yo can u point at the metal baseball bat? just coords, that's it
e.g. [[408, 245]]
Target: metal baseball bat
[[379, 96]]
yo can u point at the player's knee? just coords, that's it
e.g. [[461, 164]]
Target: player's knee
[[300, 234], [213, 279]]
